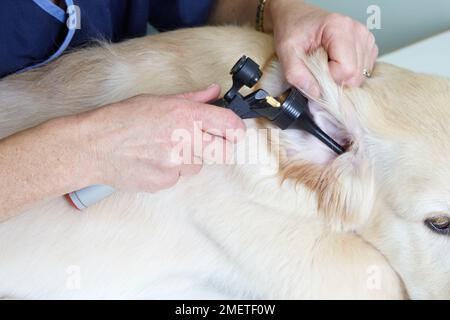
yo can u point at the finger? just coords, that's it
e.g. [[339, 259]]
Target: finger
[[213, 150], [191, 169], [207, 139], [374, 56], [370, 53], [166, 179], [361, 64], [296, 72], [367, 66], [224, 122], [216, 150], [203, 96], [343, 57], [190, 150]]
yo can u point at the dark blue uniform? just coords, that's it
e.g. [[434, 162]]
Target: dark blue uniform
[[34, 32]]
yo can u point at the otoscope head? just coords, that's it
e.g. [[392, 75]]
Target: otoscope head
[[295, 113], [245, 72], [293, 106], [289, 110]]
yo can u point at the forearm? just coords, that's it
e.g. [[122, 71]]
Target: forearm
[[241, 12], [41, 163]]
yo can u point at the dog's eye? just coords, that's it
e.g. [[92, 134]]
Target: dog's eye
[[439, 224]]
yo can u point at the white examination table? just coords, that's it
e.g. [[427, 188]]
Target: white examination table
[[427, 56]]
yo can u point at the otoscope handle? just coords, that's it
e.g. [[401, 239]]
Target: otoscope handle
[[86, 197], [239, 106], [89, 196]]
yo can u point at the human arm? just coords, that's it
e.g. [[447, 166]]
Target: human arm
[[300, 28], [127, 145], [40, 163]]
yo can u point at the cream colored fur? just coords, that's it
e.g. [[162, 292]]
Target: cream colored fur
[[241, 231]]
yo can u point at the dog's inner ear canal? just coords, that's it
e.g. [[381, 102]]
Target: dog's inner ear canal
[[301, 145]]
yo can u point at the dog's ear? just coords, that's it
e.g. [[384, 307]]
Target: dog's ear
[[345, 192], [344, 184], [344, 187]]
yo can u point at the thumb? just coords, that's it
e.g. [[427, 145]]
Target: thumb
[[202, 96], [300, 77], [296, 72]]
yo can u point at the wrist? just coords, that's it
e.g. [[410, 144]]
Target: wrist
[[275, 10], [278, 10], [72, 138], [268, 17]]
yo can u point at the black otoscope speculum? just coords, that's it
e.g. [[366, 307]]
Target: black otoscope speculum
[[290, 110]]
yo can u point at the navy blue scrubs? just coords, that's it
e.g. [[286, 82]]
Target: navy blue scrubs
[[35, 32]]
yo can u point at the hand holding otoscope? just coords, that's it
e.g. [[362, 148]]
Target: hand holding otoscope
[[290, 110]]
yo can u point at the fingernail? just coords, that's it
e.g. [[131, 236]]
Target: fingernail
[[212, 86]]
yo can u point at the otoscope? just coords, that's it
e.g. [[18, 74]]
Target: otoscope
[[290, 110]]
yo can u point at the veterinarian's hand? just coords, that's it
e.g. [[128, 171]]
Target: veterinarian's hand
[[301, 28], [132, 142]]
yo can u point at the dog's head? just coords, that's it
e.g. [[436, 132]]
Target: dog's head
[[408, 142], [393, 183]]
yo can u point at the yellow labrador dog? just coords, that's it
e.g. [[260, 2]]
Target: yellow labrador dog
[[371, 223]]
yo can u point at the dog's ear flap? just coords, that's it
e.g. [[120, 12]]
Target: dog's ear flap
[[345, 192], [344, 188], [344, 184]]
